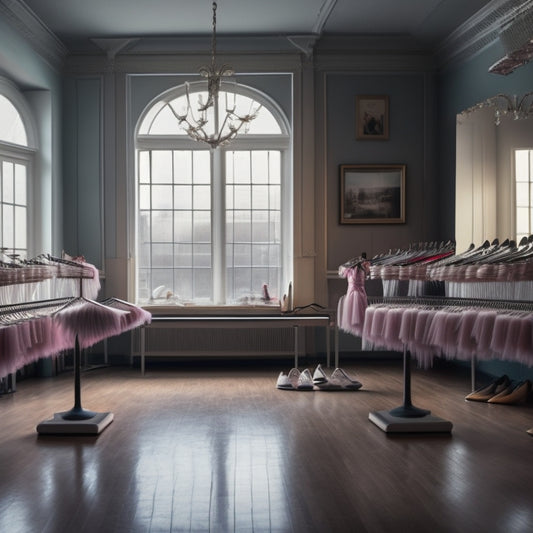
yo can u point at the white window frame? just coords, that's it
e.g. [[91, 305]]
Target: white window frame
[[281, 142], [24, 155]]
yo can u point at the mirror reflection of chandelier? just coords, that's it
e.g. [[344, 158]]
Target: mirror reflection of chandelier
[[504, 105], [213, 121]]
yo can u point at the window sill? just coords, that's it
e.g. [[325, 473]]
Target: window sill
[[256, 309]]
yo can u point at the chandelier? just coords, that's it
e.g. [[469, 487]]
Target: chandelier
[[214, 122], [516, 107]]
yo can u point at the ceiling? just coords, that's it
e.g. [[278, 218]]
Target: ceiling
[[428, 22]]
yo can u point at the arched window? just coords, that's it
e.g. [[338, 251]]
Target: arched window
[[16, 155], [213, 226]]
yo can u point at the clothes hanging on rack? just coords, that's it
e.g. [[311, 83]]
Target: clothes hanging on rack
[[34, 330], [46, 277], [452, 328], [352, 305]]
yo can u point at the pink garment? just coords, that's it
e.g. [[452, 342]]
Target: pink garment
[[351, 307]]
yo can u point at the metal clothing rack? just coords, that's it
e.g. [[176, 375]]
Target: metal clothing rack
[[406, 412]]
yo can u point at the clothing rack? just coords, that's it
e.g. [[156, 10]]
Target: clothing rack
[[33, 329], [513, 312]]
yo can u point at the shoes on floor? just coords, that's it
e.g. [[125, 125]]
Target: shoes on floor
[[515, 393], [339, 380], [295, 380], [484, 394]]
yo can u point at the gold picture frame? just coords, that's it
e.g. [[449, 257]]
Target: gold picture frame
[[372, 117], [372, 194]]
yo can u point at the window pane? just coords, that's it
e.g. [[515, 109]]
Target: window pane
[[201, 197], [144, 227], [242, 255], [144, 167], [20, 227], [230, 191], [8, 237], [203, 286], [183, 226], [20, 184], [144, 197], [162, 277], [162, 255], [161, 226], [260, 167], [242, 281], [11, 126], [260, 255], [202, 255], [162, 197], [522, 220], [274, 167], [260, 197], [202, 226], [259, 278], [274, 197], [165, 123], [522, 194], [522, 165], [243, 198], [183, 197], [241, 167], [182, 166], [7, 182], [183, 283], [161, 166], [242, 227], [202, 167], [144, 255], [183, 255], [260, 226]]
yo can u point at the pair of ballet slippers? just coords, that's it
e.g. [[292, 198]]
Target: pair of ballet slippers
[[296, 380]]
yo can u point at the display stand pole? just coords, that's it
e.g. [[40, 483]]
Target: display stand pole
[[408, 410]]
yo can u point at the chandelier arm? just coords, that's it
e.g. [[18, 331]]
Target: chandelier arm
[[232, 122]]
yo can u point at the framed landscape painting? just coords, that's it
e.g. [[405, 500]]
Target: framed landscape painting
[[372, 194]]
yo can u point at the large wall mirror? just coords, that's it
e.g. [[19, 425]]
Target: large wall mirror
[[494, 172]]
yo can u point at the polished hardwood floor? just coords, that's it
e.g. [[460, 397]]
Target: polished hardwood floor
[[217, 448]]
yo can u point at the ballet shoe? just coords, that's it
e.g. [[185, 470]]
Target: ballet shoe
[[319, 376], [485, 393], [345, 381], [515, 393], [339, 380], [295, 380], [530, 431]]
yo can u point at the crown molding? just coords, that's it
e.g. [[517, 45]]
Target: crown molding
[[479, 32], [38, 35]]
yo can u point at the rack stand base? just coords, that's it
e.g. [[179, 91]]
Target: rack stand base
[[398, 424], [89, 426]]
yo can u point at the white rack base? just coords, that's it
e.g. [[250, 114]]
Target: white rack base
[[59, 426], [398, 424]]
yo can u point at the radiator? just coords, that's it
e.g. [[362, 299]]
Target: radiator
[[221, 341]]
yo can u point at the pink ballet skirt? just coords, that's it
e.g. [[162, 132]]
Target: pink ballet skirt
[[352, 305]]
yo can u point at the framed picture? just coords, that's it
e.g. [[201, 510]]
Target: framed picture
[[372, 194], [372, 117]]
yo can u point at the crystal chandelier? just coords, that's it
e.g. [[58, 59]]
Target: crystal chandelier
[[516, 107], [214, 122]]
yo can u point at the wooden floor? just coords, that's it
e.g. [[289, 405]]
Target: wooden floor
[[208, 448]]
